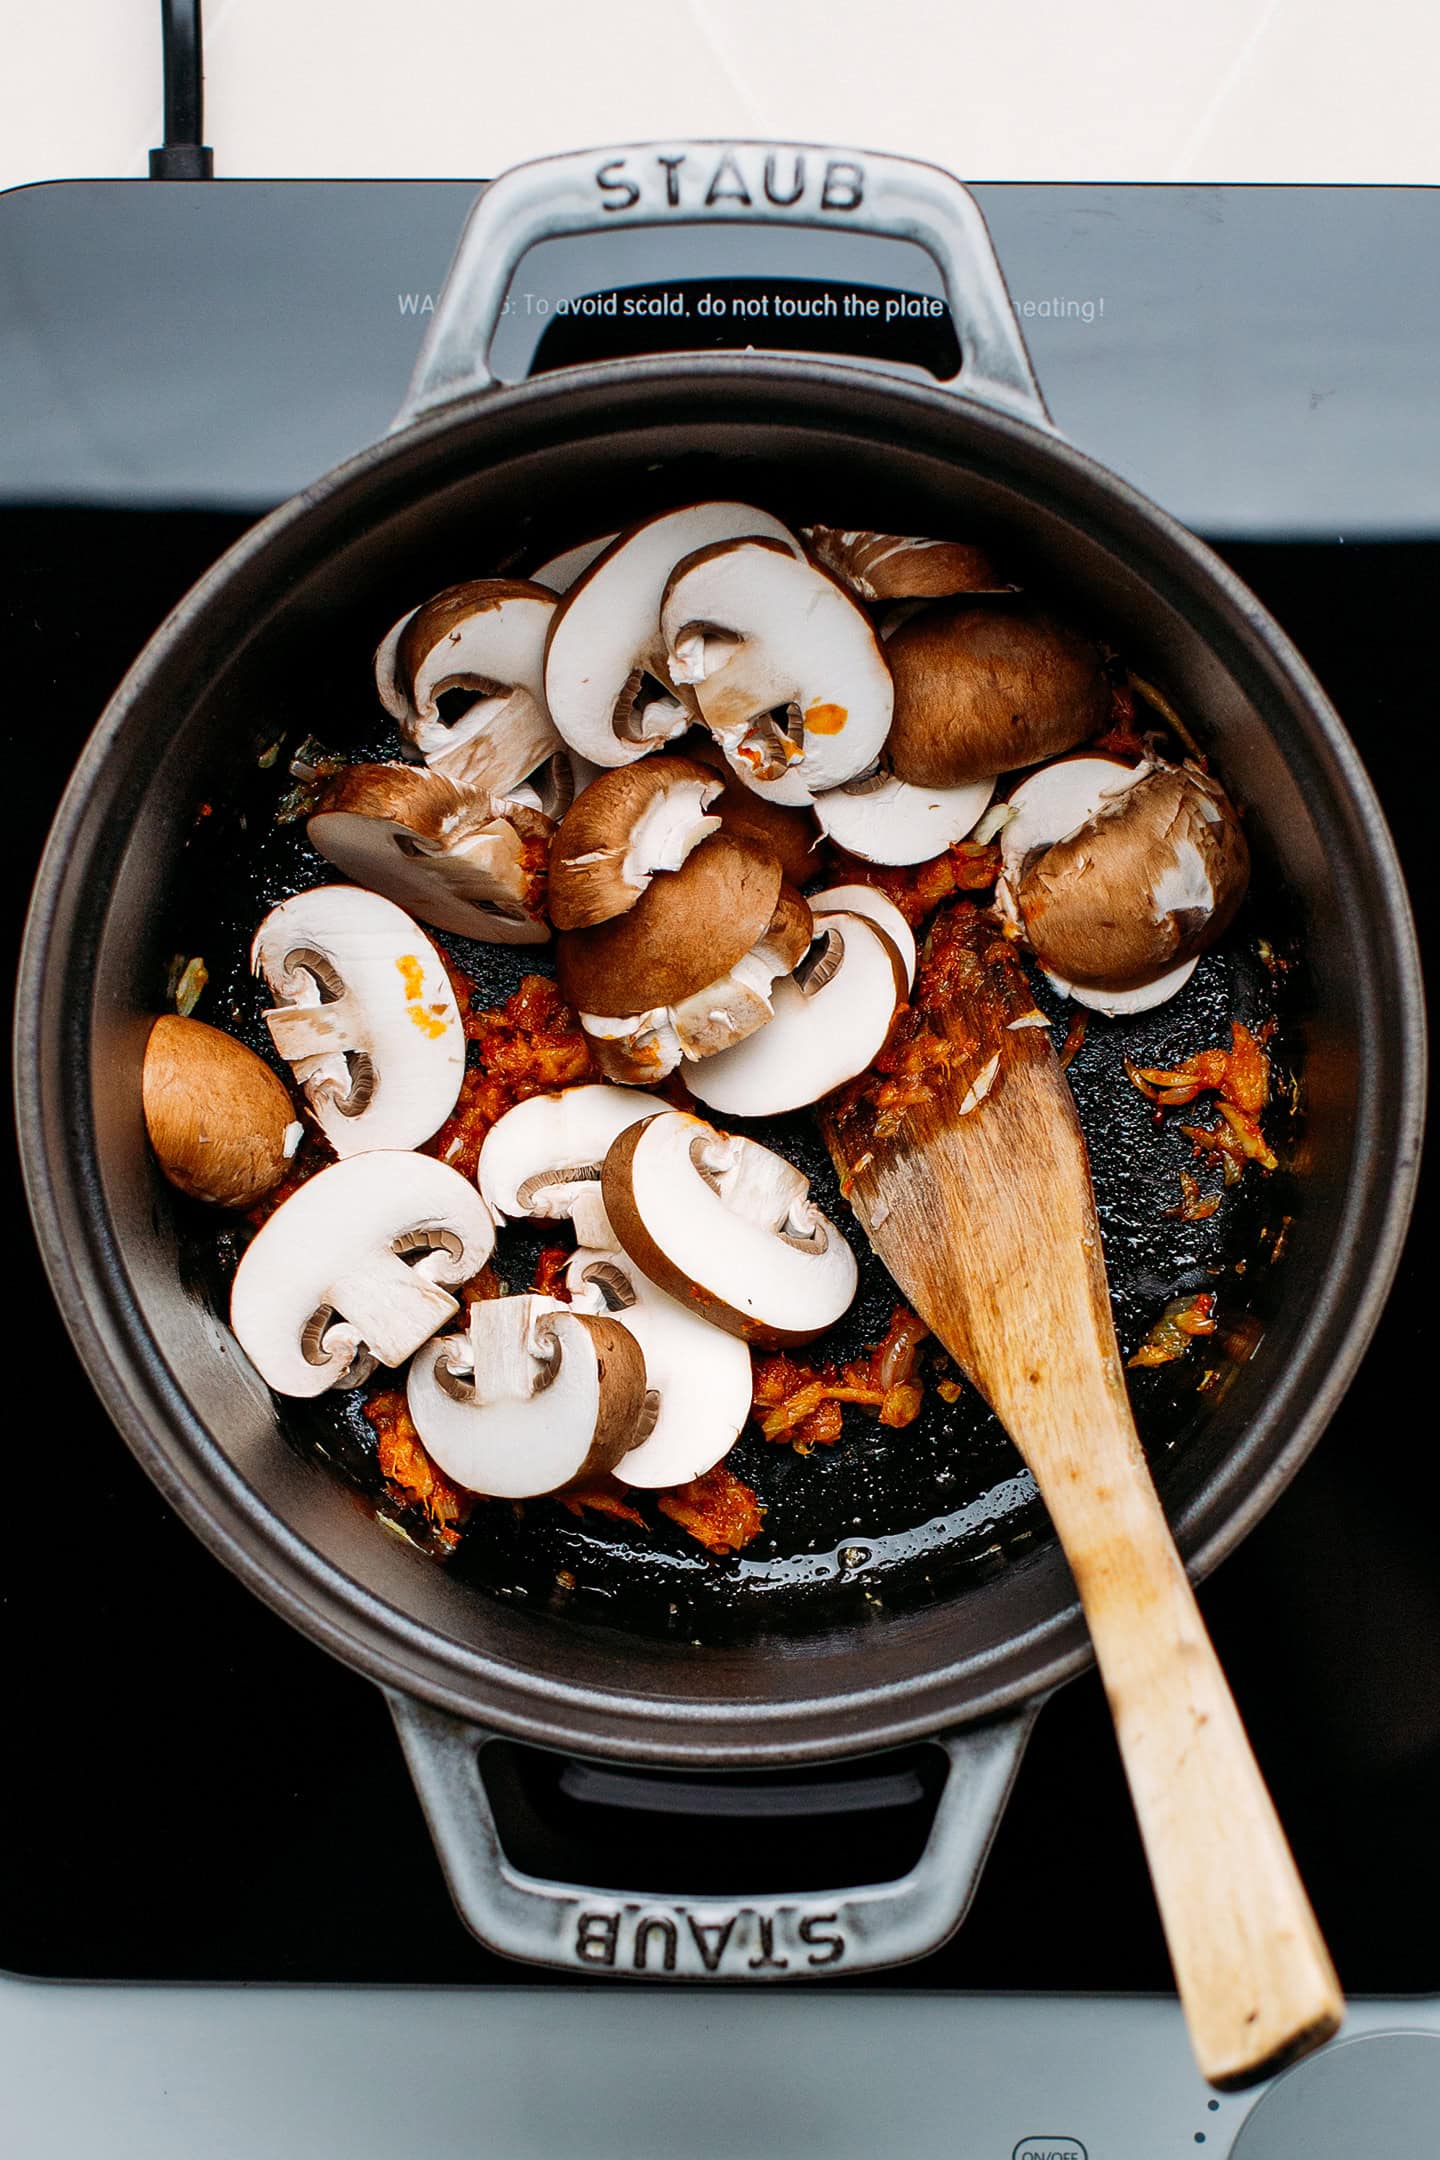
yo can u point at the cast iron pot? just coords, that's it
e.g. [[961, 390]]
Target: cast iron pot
[[472, 473]]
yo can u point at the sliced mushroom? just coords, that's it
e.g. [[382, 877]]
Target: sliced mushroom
[[532, 1398], [486, 637], [349, 1271], [876, 907], [560, 572], [365, 1015], [979, 691], [631, 823], [785, 667], [885, 820], [439, 851], [831, 1018], [1150, 879], [727, 1226], [698, 1378], [542, 1159], [606, 680], [222, 1126], [886, 566], [1052, 805]]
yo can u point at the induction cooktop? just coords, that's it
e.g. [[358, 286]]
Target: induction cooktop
[[200, 1799]]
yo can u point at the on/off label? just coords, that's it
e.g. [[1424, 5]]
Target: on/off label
[[1049, 2148]]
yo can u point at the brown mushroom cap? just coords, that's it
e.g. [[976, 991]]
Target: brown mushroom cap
[[222, 1125], [688, 928], [979, 691], [890, 566], [596, 868], [1149, 880], [788, 830]]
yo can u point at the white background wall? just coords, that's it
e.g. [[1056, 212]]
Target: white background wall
[[1011, 89]]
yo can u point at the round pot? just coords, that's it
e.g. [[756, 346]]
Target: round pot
[[473, 472]]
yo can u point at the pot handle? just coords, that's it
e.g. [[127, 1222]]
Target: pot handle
[[660, 1937], [730, 183]]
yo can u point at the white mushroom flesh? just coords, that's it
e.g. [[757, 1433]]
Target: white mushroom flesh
[[876, 907], [516, 1406], [785, 668], [560, 571], [885, 820], [699, 1376], [1117, 1000], [351, 1269], [365, 1016], [606, 642], [471, 877], [542, 1158], [820, 1036], [728, 1226]]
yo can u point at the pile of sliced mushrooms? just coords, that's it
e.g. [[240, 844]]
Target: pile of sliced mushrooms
[[645, 752]]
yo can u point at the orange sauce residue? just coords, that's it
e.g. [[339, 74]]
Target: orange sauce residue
[[825, 719], [430, 1020]]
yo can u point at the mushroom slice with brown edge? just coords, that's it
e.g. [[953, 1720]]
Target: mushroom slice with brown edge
[[542, 1159], [876, 907], [831, 1018], [889, 566], [1150, 879], [630, 823], [885, 820], [727, 1226], [350, 1271], [785, 667], [1051, 805], [559, 572], [439, 851], [487, 637], [365, 1015], [698, 1377], [606, 680], [530, 1399], [222, 1125], [979, 691]]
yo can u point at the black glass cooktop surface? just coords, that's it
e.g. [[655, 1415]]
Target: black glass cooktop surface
[[198, 1793]]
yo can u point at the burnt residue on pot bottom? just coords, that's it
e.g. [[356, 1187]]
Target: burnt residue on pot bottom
[[885, 1518]]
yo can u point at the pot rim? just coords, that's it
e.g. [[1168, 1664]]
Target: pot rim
[[86, 1270]]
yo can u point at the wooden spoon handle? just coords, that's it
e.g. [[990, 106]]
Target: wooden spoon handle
[[1255, 1979]]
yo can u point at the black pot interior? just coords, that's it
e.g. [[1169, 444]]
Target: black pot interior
[[958, 1600]]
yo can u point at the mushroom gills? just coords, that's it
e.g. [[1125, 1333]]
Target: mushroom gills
[[531, 1399]]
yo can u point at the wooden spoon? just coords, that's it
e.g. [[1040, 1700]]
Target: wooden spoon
[[967, 1168]]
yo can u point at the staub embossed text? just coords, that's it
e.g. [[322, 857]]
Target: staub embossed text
[[742, 176], [743, 1942]]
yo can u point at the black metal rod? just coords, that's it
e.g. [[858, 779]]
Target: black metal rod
[[185, 155]]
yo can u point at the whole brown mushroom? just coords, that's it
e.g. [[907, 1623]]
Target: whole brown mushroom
[[222, 1125], [981, 690], [1149, 880]]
